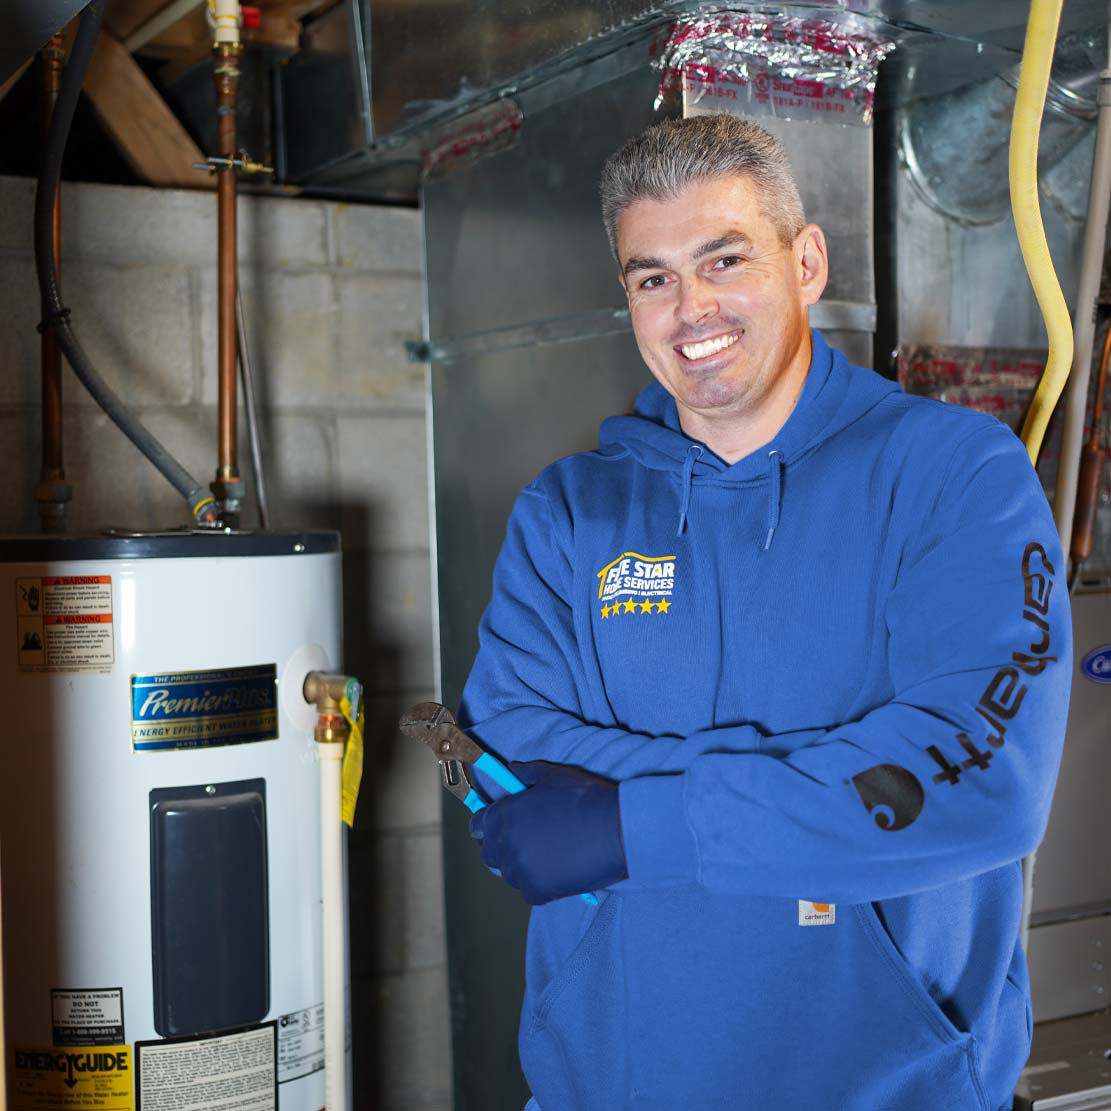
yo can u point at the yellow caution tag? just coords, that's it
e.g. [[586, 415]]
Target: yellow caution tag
[[352, 772]]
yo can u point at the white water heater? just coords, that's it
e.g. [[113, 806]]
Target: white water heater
[[160, 837]]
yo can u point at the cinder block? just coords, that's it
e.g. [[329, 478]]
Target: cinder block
[[376, 881], [21, 440], [114, 485], [128, 224], [422, 874], [377, 317], [413, 1039], [19, 341], [17, 206], [292, 322], [376, 237], [383, 482], [134, 323], [402, 789], [388, 608], [300, 466]]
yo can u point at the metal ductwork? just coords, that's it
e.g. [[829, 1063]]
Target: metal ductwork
[[26, 26], [381, 89]]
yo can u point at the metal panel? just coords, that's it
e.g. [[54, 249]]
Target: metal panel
[[1069, 967], [26, 26], [531, 351], [1069, 1067], [498, 420], [1074, 860]]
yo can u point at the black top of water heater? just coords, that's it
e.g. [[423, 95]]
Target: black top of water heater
[[178, 544]]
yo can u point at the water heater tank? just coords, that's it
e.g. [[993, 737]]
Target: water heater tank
[[160, 819]]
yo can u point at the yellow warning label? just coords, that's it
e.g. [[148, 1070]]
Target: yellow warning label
[[77, 1077]]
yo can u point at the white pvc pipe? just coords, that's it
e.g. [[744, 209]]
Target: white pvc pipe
[[227, 20], [334, 930]]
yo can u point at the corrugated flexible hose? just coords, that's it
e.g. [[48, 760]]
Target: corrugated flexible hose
[[202, 506]]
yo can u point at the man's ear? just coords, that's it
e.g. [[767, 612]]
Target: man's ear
[[812, 263]]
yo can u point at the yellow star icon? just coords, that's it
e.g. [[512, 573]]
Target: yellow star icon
[[663, 605], [646, 607], [605, 611], [630, 605]]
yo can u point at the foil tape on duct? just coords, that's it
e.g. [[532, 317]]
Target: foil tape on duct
[[771, 65]]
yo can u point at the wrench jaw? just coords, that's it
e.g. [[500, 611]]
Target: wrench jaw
[[434, 724], [456, 778]]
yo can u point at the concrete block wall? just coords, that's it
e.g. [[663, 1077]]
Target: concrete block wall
[[331, 292]]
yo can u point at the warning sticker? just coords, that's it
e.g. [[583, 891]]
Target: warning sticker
[[233, 1072], [202, 709], [67, 1079], [64, 624], [300, 1043], [91, 1016]]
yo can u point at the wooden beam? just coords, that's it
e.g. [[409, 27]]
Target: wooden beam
[[8, 85], [147, 133]]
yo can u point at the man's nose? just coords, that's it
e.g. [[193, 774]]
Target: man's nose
[[697, 301]]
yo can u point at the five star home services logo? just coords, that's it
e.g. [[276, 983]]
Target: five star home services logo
[[635, 584]]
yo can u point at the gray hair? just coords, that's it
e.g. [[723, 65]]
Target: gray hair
[[662, 161]]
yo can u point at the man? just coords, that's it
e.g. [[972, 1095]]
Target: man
[[786, 661]]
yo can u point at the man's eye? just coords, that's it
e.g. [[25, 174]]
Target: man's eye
[[653, 282], [727, 261]]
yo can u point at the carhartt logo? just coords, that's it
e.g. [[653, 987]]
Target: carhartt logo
[[635, 585], [817, 914]]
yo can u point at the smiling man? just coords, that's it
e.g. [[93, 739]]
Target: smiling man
[[786, 665]]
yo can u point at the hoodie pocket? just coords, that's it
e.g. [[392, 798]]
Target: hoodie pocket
[[954, 1067], [913, 987], [583, 999]]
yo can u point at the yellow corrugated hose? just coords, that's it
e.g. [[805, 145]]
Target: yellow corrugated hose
[[1037, 58]]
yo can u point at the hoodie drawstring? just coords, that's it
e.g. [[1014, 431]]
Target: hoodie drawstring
[[694, 453], [774, 488]]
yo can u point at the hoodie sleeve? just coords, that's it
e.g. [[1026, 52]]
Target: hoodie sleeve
[[950, 778]]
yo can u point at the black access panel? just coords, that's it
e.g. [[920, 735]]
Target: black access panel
[[209, 907]]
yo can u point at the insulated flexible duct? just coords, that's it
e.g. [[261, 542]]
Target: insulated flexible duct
[[201, 504], [1037, 59]]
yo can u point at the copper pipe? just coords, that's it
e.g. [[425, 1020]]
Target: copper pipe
[[226, 75], [1091, 468], [52, 492]]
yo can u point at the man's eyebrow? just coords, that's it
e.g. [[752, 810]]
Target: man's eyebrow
[[729, 239], [638, 262], [651, 262]]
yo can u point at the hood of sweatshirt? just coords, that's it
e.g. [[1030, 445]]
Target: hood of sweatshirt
[[834, 395]]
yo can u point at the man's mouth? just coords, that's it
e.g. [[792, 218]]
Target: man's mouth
[[692, 352]]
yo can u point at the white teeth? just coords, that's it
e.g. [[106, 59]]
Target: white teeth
[[709, 347]]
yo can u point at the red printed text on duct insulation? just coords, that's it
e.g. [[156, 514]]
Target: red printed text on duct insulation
[[64, 623]]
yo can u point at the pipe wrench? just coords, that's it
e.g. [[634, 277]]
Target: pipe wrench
[[457, 753]]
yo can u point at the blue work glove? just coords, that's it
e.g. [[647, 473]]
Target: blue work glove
[[560, 837]]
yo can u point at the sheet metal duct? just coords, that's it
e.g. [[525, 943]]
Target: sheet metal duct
[[377, 81], [27, 25]]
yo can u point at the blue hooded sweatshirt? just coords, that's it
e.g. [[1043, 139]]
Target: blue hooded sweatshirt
[[832, 681]]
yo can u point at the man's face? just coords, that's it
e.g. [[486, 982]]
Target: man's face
[[718, 303]]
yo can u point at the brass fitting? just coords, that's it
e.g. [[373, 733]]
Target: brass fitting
[[325, 692]]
